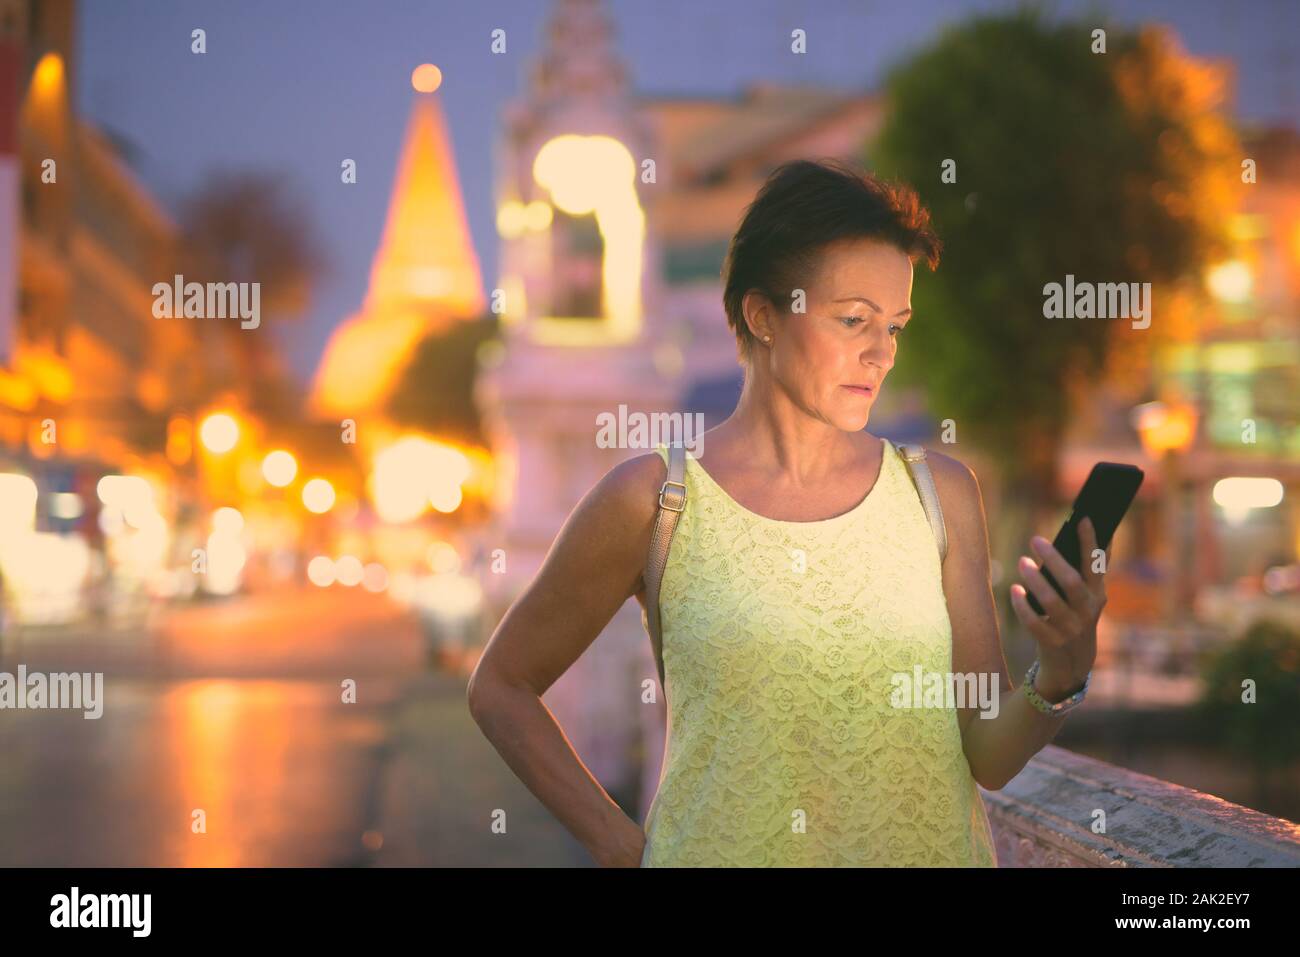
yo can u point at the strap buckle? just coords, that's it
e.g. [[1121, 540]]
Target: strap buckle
[[663, 504]]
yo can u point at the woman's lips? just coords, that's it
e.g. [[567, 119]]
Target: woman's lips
[[859, 390]]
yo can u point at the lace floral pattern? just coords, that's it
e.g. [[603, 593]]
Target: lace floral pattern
[[780, 643]]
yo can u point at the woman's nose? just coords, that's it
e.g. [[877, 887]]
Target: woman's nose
[[881, 358]]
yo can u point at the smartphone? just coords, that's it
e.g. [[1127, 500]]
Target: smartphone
[[1105, 497]]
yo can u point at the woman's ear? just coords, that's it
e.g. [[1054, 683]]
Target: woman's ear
[[759, 315]]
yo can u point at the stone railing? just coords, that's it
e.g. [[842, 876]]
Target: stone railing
[[1045, 818]]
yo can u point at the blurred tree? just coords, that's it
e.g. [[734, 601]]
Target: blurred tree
[[1264, 731], [435, 392], [1112, 167], [247, 226]]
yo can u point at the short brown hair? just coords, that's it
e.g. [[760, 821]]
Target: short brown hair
[[803, 206]]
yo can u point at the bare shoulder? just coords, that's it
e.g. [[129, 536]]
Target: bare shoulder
[[626, 499], [632, 486], [959, 490]]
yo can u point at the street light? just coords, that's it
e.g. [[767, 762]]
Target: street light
[[279, 467], [1230, 282], [219, 432], [318, 496]]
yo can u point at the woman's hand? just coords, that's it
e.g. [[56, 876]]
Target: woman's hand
[[1067, 644], [625, 846]]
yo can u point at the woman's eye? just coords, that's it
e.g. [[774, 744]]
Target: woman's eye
[[851, 322]]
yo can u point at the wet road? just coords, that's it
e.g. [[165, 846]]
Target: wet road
[[232, 714]]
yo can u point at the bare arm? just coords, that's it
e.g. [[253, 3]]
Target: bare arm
[[592, 568], [997, 748]]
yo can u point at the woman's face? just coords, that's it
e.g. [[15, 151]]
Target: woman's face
[[856, 307]]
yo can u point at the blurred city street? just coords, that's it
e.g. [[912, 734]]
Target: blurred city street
[[235, 708]]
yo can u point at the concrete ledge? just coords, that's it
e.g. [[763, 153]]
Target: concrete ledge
[[1045, 816]]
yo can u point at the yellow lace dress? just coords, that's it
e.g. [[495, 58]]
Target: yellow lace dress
[[780, 640]]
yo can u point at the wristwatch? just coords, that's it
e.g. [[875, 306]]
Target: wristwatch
[[1042, 704]]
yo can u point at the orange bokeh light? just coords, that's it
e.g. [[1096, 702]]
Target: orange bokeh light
[[426, 78]]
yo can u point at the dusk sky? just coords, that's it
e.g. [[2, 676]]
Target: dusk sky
[[297, 86]]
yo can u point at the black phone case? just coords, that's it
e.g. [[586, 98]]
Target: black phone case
[[1105, 498]]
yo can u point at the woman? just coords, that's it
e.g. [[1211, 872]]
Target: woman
[[803, 580]]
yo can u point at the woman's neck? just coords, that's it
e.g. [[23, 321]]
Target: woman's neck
[[768, 430]]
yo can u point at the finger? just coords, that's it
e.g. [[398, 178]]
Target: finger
[[1034, 623], [1094, 581], [1076, 590], [1062, 615]]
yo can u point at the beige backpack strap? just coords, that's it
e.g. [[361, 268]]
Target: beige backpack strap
[[919, 469], [672, 502]]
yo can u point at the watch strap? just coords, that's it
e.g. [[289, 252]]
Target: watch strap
[[1045, 706]]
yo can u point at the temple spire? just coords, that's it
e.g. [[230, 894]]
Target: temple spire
[[578, 62], [426, 256], [424, 277]]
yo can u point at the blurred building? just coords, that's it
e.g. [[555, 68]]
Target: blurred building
[[90, 381], [1243, 375], [86, 244], [1220, 439], [80, 244], [584, 334]]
